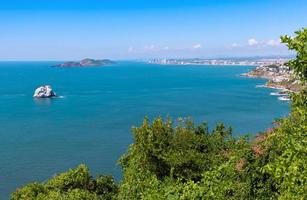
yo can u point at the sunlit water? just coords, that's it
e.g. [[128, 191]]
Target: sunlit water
[[91, 122]]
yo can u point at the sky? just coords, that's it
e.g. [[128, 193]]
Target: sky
[[141, 29]]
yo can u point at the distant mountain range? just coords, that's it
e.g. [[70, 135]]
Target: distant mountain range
[[87, 62]]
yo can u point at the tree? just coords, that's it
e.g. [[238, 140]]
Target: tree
[[299, 45], [166, 153], [72, 185], [288, 143]]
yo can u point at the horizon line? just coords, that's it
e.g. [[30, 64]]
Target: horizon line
[[151, 58]]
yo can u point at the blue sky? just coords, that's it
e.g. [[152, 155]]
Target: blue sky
[[133, 29]]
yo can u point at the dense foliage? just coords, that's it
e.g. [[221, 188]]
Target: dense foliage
[[299, 45], [179, 160], [164, 155], [76, 184]]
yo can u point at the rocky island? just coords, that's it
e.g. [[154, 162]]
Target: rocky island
[[87, 62], [44, 92]]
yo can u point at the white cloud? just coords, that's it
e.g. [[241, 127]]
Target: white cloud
[[235, 45], [196, 46], [150, 47], [130, 49], [166, 48], [252, 42], [273, 43]]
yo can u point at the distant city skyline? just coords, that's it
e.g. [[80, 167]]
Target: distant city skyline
[[135, 29]]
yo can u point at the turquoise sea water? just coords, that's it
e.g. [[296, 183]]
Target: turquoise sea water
[[91, 123]]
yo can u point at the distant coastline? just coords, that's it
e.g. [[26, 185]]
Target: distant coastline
[[226, 62], [279, 77]]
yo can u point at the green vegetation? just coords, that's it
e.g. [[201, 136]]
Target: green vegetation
[[76, 184], [180, 160], [299, 45]]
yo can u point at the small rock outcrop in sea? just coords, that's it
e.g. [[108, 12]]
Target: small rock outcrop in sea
[[86, 63], [44, 92]]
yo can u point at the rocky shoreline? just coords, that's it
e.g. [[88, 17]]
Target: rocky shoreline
[[279, 77]]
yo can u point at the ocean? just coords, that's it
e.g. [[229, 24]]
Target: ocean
[[91, 123]]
